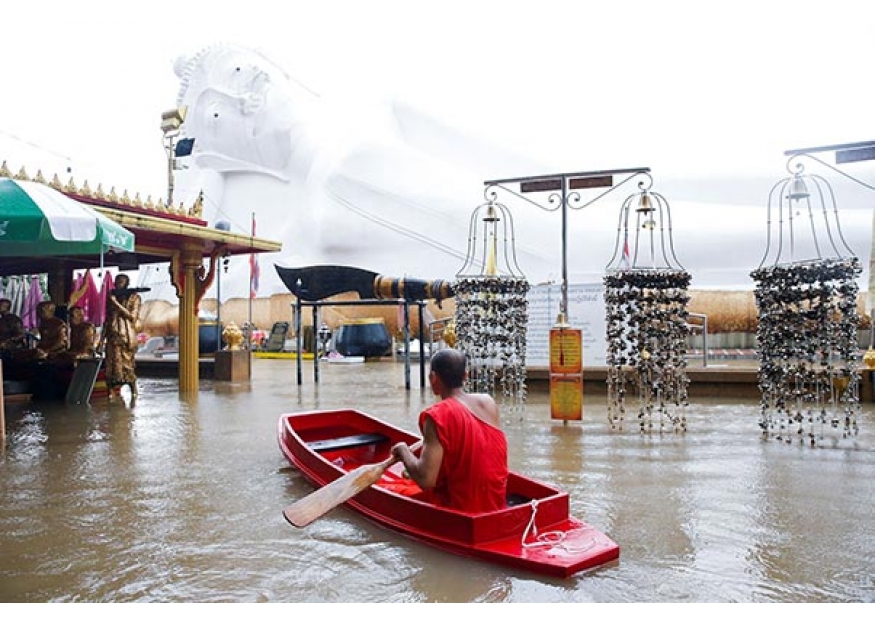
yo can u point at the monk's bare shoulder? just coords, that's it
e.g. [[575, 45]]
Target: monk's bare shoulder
[[484, 406]]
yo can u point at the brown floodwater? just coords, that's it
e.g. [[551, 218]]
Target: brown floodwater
[[175, 500]]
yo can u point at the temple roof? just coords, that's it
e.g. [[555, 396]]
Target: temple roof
[[160, 230]]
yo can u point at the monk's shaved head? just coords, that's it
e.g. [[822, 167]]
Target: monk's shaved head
[[449, 365]]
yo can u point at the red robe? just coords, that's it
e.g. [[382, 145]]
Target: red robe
[[473, 473]]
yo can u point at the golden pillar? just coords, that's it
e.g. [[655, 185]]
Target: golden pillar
[[191, 282]]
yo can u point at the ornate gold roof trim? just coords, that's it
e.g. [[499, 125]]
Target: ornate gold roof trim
[[85, 191]]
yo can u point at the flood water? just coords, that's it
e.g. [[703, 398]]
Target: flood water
[[173, 500]]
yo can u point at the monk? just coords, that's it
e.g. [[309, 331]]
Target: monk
[[53, 332], [463, 463], [12, 334], [120, 337], [82, 334]]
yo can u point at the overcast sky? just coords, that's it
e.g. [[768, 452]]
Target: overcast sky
[[681, 87]]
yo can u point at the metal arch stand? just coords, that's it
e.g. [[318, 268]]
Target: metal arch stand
[[299, 305], [568, 186]]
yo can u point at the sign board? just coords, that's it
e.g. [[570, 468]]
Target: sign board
[[853, 156], [591, 182], [551, 184], [565, 350], [586, 311], [566, 373], [566, 397]]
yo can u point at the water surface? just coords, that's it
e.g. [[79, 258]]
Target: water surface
[[171, 500]]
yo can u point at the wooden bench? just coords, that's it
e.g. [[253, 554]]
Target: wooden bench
[[356, 440]]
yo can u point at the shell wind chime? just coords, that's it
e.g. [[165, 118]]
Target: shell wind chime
[[492, 309], [806, 295], [646, 319]]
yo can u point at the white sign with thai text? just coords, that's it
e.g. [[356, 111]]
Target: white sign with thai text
[[586, 310]]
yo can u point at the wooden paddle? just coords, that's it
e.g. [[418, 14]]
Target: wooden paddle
[[306, 510]]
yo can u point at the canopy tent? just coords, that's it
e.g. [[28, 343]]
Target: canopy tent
[[37, 220]]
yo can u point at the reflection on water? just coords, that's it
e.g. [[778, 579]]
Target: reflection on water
[[180, 500]]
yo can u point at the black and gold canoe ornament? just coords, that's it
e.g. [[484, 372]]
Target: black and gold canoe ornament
[[319, 282]]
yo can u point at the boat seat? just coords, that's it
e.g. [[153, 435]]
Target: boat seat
[[356, 440], [514, 500]]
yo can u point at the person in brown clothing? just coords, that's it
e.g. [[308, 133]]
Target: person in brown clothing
[[12, 334], [82, 334], [120, 336], [53, 333]]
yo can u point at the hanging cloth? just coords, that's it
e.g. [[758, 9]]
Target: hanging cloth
[[92, 303], [17, 294], [87, 295], [107, 286], [32, 301]]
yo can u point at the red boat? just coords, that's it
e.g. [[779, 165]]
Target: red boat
[[534, 532]]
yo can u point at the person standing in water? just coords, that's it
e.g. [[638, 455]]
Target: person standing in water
[[119, 336]]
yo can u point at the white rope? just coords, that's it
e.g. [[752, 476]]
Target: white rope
[[552, 538]]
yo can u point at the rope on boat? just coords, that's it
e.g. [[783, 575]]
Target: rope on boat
[[552, 538]]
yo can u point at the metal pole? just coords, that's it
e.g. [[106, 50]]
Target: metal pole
[[219, 307], [563, 306], [705, 341], [407, 345], [298, 336], [170, 171], [422, 345], [315, 349]]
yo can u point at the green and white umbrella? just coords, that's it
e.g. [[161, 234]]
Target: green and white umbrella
[[37, 220]]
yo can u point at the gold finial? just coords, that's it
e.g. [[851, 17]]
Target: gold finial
[[22, 175], [4, 171], [138, 201], [99, 193], [150, 205], [125, 199], [112, 197], [160, 206], [39, 177], [491, 265], [233, 336], [71, 186], [180, 209], [86, 190], [55, 183], [449, 334]]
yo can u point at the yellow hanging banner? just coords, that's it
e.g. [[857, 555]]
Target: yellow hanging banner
[[566, 397], [566, 373], [566, 350]]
